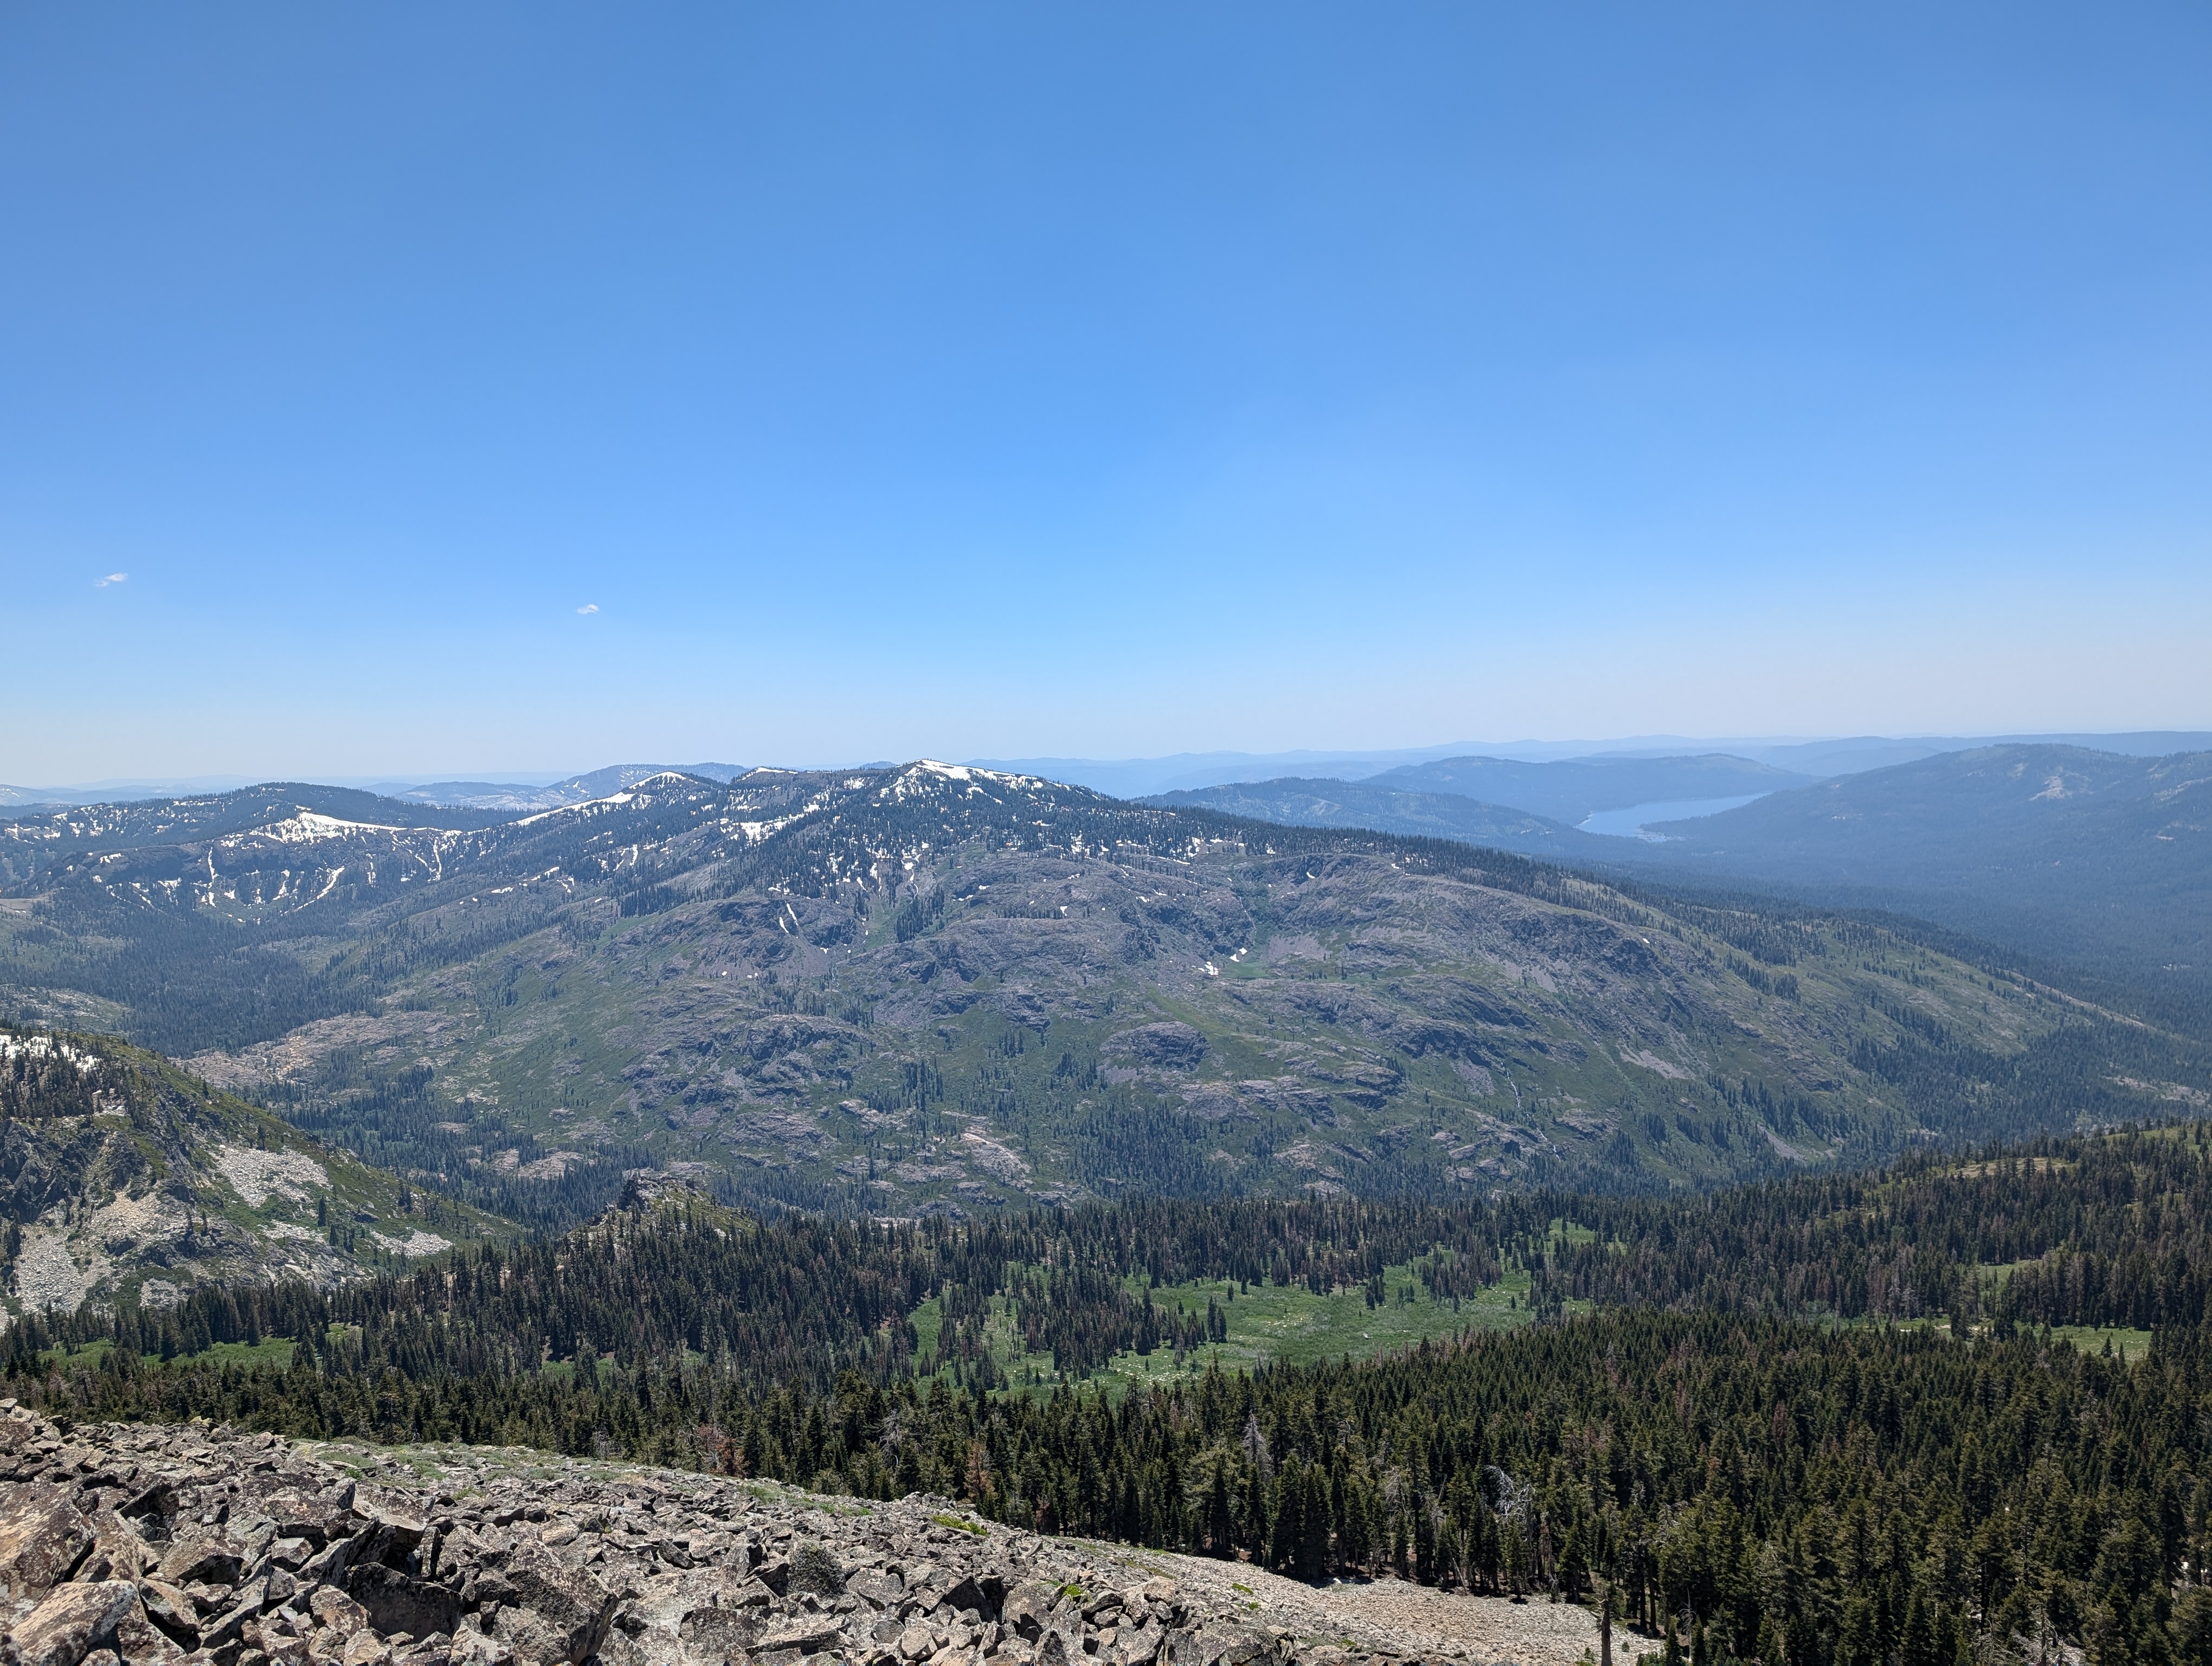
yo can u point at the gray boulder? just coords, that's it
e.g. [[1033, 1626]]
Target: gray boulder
[[557, 1612], [396, 1602], [1026, 1607]]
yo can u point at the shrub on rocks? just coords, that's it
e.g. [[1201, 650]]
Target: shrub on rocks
[[815, 1567]]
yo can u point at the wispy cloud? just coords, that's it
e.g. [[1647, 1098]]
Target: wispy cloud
[[589, 607], [112, 578]]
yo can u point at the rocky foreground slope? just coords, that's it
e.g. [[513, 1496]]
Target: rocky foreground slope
[[140, 1544]]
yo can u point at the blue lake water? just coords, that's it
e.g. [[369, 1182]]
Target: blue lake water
[[1630, 823]]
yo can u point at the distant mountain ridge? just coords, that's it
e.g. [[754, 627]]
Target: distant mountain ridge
[[510, 796], [2065, 853], [1136, 777], [1377, 805], [1512, 804], [1139, 777], [935, 989], [30, 838], [1571, 790], [530, 793]]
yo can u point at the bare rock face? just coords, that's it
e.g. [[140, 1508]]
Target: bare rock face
[[1162, 1046], [145, 1546]]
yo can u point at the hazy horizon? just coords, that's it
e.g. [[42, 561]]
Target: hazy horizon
[[1159, 772]]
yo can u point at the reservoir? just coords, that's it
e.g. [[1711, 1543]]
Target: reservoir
[[1630, 823]]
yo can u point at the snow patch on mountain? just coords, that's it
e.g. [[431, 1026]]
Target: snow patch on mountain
[[309, 826], [920, 777], [590, 806], [44, 1047]]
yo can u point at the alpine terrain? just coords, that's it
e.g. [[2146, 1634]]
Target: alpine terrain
[[934, 987]]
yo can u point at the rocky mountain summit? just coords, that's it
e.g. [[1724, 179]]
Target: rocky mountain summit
[[136, 1544]]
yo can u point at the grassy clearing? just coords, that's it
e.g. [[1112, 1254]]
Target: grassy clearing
[[269, 1351], [928, 1321], [1267, 1322], [1295, 1326], [2126, 1345]]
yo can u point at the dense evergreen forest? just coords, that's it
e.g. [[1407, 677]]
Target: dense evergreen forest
[[1755, 1430], [2107, 1229]]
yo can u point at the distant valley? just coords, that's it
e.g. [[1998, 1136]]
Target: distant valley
[[1536, 808]]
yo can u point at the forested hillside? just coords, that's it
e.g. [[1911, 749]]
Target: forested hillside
[[1568, 790], [1385, 807], [1764, 1434], [936, 989], [124, 1181], [2106, 1230], [2061, 854]]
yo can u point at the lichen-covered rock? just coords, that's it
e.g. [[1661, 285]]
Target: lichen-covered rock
[[42, 1535], [556, 1612], [170, 1609], [138, 1642], [69, 1624], [118, 1551], [1026, 1607], [197, 1560], [1224, 1643], [229, 1626]]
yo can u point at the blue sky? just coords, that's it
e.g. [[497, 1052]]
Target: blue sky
[[1092, 380]]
